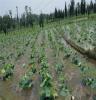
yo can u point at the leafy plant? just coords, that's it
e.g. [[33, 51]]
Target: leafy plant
[[58, 67], [83, 68], [32, 56], [27, 81], [67, 55], [48, 91], [7, 71], [89, 82], [32, 71], [46, 80], [64, 91], [75, 61], [41, 58], [44, 71], [32, 62]]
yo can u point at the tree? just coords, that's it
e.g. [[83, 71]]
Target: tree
[[23, 20], [72, 7], [41, 20], [17, 17], [51, 17], [1, 20], [65, 10], [10, 14], [30, 17], [91, 6], [63, 14], [94, 7], [26, 15], [83, 6], [88, 10], [6, 23], [11, 19], [56, 13], [78, 8], [76, 11]]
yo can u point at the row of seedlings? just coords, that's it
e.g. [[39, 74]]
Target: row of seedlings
[[62, 84], [48, 89]]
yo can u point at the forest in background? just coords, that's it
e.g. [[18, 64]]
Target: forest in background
[[28, 19]]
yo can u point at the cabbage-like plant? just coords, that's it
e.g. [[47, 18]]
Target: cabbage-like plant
[[48, 91], [58, 67], [75, 60], [7, 71], [27, 81], [63, 88], [91, 82]]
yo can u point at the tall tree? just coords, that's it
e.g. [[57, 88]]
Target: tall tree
[[10, 13], [1, 20], [6, 23], [88, 10], [94, 7], [65, 10], [72, 7], [41, 20], [83, 6], [26, 15], [23, 20], [78, 8], [30, 17], [17, 14], [91, 6], [56, 13], [12, 21], [76, 11]]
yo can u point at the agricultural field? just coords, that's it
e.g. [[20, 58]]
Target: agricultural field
[[40, 65]]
